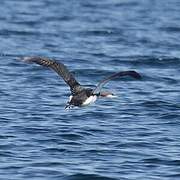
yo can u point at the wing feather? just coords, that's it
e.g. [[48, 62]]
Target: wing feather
[[133, 74], [59, 68]]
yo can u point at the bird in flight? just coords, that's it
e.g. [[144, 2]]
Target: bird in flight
[[80, 96]]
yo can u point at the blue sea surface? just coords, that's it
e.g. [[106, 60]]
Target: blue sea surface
[[135, 136]]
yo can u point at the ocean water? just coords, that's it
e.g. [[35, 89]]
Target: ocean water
[[134, 136]]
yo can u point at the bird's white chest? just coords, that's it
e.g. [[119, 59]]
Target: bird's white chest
[[89, 100]]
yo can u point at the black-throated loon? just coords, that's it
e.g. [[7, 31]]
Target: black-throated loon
[[80, 96]]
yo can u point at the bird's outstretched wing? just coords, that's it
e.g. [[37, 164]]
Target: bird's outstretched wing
[[59, 68], [133, 74]]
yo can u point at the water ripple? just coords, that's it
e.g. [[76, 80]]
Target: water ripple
[[133, 136]]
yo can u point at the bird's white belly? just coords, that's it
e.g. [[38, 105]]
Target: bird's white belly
[[89, 100]]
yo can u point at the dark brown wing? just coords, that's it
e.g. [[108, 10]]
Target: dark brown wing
[[59, 68], [133, 74]]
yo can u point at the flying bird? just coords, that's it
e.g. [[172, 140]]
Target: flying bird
[[80, 96]]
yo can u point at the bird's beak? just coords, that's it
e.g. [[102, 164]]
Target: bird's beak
[[111, 96], [107, 94]]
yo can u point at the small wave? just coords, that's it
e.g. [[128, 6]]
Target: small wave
[[163, 105], [96, 33], [7, 32], [174, 29], [171, 117], [150, 61], [71, 136], [162, 161], [87, 177]]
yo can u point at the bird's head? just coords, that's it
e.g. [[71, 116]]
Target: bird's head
[[107, 94]]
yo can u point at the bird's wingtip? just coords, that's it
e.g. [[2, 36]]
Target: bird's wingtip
[[28, 59], [136, 75]]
